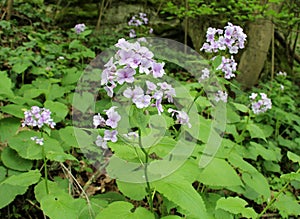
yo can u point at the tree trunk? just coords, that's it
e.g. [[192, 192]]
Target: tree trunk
[[254, 56], [9, 9]]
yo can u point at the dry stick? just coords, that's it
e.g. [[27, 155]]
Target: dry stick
[[75, 180]]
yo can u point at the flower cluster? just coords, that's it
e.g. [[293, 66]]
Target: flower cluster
[[221, 96], [138, 21], [79, 28], [38, 117], [283, 74], [130, 59], [112, 120], [37, 140], [204, 75], [260, 105], [181, 116], [228, 66], [232, 37]]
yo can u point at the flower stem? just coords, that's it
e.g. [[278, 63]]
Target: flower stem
[[45, 170], [148, 189], [274, 198]]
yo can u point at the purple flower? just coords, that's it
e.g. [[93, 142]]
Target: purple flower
[[260, 105], [182, 117], [100, 142], [221, 96], [204, 76], [143, 101], [132, 33], [159, 106], [98, 120], [125, 75], [233, 39], [38, 117], [158, 69], [113, 117], [228, 66], [110, 135], [79, 28], [37, 140], [150, 87]]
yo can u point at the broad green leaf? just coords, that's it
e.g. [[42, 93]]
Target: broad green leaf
[[291, 176], [240, 107], [183, 194], [219, 173], [287, 205], [120, 209], [71, 76], [255, 131], [135, 191], [59, 156], [28, 149], [267, 154], [56, 205], [12, 160], [93, 208], [258, 183], [8, 128], [236, 205], [14, 109], [59, 110], [293, 157], [16, 185], [55, 91], [83, 101], [6, 85]]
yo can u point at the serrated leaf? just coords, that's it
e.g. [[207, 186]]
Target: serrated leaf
[[219, 173], [59, 110], [123, 210], [287, 205], [255, 131], [236, 205], [258, 183], [183, 194], [6, 85]]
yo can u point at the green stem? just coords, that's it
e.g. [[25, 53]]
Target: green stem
[[45, 169], [199, 95], [150, 198], [275, 197]]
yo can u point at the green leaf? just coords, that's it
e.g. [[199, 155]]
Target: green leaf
[[255, 131], [290, 176], [123, 210], [183, 194], [21, 66], [217, 61], [287, 205], [83, 101], [293, 157], [240, 107], [6, 85], [236, 205], [8, 128], [14, 109], [59, 110], [219, 173], [28, 149], [59, 156], [12, 160], [258, 183], [135, 191], [17, 185], [56, 205]]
